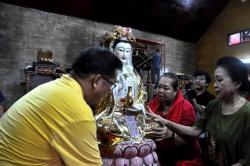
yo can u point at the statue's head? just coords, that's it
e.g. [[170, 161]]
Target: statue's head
[[120, 43], [123, 50]]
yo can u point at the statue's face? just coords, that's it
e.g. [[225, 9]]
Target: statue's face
[[124, 52]]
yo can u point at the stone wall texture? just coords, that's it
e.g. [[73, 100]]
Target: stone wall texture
[[24, 31]]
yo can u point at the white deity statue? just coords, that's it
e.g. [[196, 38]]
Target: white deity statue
[[121, 125], [128, 77]]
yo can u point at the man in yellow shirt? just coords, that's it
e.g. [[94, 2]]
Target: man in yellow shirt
[[54, 124]]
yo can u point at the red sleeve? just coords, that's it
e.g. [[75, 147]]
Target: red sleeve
[[154, 105], [188, 117]]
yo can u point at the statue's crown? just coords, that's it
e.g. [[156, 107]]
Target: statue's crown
[[124, 33]]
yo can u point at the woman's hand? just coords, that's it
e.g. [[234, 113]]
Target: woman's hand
[[151, 114], [161, 133], [155, 117]]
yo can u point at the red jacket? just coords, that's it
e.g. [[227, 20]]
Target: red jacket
[[182, 112]]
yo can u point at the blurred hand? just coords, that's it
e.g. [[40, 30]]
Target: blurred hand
[[151, 114], [121, 101], [160, 133], [184, 92], [155, 117], [191, 94]]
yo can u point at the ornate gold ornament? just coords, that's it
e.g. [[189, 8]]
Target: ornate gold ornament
[[120, 32]]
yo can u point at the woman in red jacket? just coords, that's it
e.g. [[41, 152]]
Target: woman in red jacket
[[169, 103]]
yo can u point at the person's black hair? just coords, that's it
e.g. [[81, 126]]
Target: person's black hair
[[205, 74], [116, 41], [96, 60], [175, 79], [237, 71]]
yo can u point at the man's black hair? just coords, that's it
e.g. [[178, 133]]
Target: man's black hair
[[203, 73], [96, 60]]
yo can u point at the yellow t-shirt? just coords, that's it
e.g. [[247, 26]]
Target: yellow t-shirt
[[51, 125]]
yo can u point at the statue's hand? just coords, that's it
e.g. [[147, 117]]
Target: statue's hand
[[121, 101], [139, 108], [121, 82]]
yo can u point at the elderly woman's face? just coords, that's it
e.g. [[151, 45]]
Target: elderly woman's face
[[124, 52], [165, 90], [224, 86]]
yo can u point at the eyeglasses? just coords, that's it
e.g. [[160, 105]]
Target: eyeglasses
[[113, 85], [199, 78]]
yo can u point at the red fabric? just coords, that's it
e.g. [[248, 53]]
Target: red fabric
[[195, 162], [181, 112]]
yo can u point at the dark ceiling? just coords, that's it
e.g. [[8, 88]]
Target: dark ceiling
[[186, 20]]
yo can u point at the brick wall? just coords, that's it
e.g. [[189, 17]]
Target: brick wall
[[213, 44], [24, 31]]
